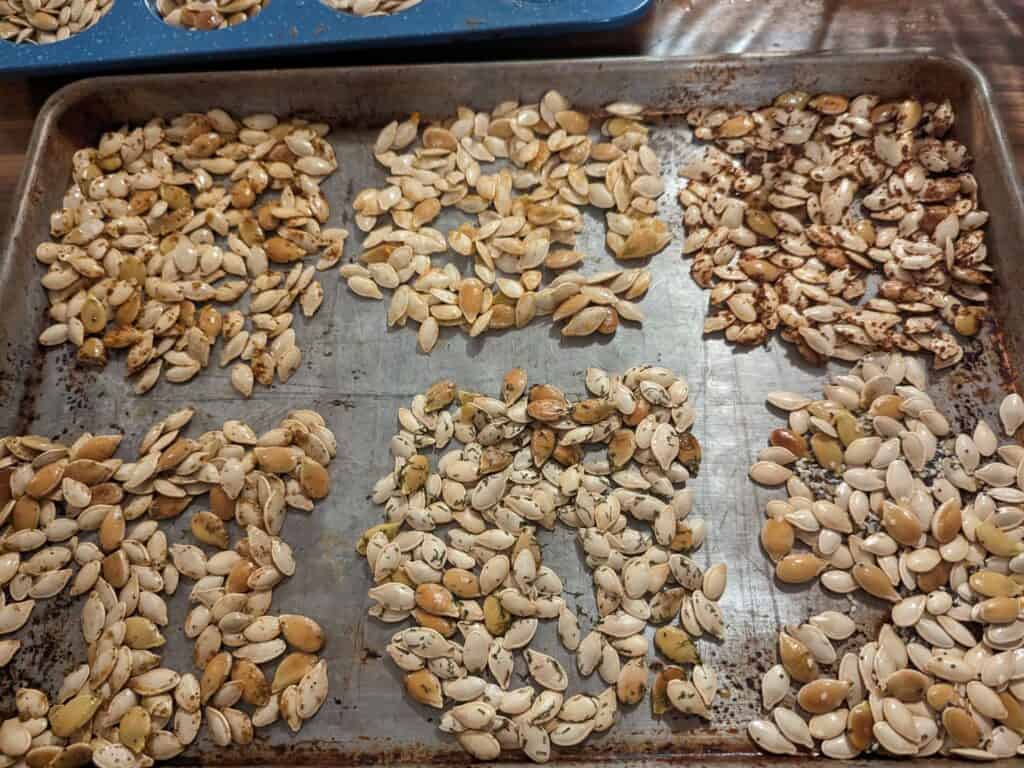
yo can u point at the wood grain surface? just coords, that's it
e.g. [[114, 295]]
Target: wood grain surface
[[989, 32]]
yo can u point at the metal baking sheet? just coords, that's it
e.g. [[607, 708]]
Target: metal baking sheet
[[132, 34], [357, 374]]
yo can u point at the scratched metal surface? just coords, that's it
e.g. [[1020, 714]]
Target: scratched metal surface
[[357, 374]]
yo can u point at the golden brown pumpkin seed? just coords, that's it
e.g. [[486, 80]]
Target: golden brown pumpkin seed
[[67, 718], [660, 703], [961, 727], [873, 580], [255, 686], [675, 645], [424, 687], [313, 478], [302, 632], [799, 568], [291, 669], [798, 661], [822, 695], [209, 529], [134, 729], [777, 538]]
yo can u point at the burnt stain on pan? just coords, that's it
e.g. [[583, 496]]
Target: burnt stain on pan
[[30, 373], [44, 648], [371, 752], [973, 388]]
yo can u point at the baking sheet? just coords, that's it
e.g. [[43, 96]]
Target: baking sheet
[[132, 34], [357, 374]]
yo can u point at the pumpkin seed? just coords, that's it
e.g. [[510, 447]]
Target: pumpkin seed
[[301, 632], [768, 737]]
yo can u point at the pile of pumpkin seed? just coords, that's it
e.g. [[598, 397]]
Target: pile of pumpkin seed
[[208, 14], [372, 7], [166, 220], [545, 166], [31, 21], [124, 707], [848, 225], [884, 498], [531, 459]]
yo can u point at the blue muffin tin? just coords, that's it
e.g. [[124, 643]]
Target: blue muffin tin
[[132, 35]]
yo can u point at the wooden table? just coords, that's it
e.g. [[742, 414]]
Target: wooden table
[[989, 32]]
